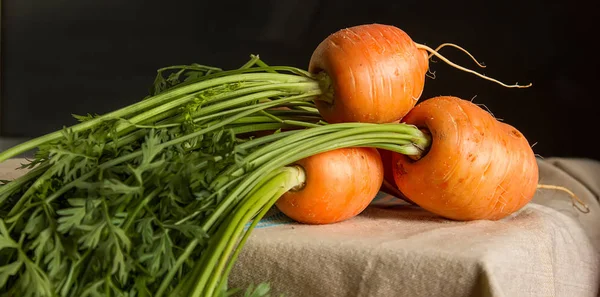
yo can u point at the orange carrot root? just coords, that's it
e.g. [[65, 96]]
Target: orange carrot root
[[577, 203], [439, 56]]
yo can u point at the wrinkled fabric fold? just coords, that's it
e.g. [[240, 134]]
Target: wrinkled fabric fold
[[394, 249]]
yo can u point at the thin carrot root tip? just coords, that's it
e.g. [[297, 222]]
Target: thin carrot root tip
[[487, 109], [439, 56], [430, 74], [577, 203], [459, 48]]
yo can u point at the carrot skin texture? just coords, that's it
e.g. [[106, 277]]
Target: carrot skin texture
[[376, 70], [340, 184], [476, 168]]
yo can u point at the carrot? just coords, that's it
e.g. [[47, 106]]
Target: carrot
[[340, 184], [373, 73], [476, 166]]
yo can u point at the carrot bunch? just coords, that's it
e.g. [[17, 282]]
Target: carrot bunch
[[476, 167], [156, 196]]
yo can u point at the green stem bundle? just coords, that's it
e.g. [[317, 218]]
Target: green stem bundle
[[165, 103], [392, 136], [153, 199]]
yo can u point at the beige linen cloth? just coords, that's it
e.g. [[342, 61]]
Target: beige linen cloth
[[394, 249]]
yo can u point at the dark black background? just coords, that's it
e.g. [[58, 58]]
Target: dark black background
[[80, 56]]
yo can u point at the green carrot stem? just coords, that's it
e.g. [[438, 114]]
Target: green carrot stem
[[224, 98], [264, 139], [231, 119], [160, 109], [311, 148], [251, 62], [255, 161], [279, 102], [265, 208], [200, 265], [248, 87], [295, 112], [219, 79], [341, 136], [260, 63], [345, 129], [196, 67], [294, 71], [137, 134], [307, 89], [223, 250], [261, 127], [286, 179], [171, 273], [281, 119], [246, 235]]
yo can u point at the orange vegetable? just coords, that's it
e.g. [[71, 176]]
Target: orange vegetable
[[476, 167], [373, 73], [340, 184], [376, 71]]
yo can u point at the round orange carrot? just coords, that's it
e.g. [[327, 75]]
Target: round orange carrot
[[476, 166], [377, 74], [340, 184], [374, 73]]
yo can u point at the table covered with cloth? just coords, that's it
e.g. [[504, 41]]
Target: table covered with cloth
[[546, 249], [394, 249]]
